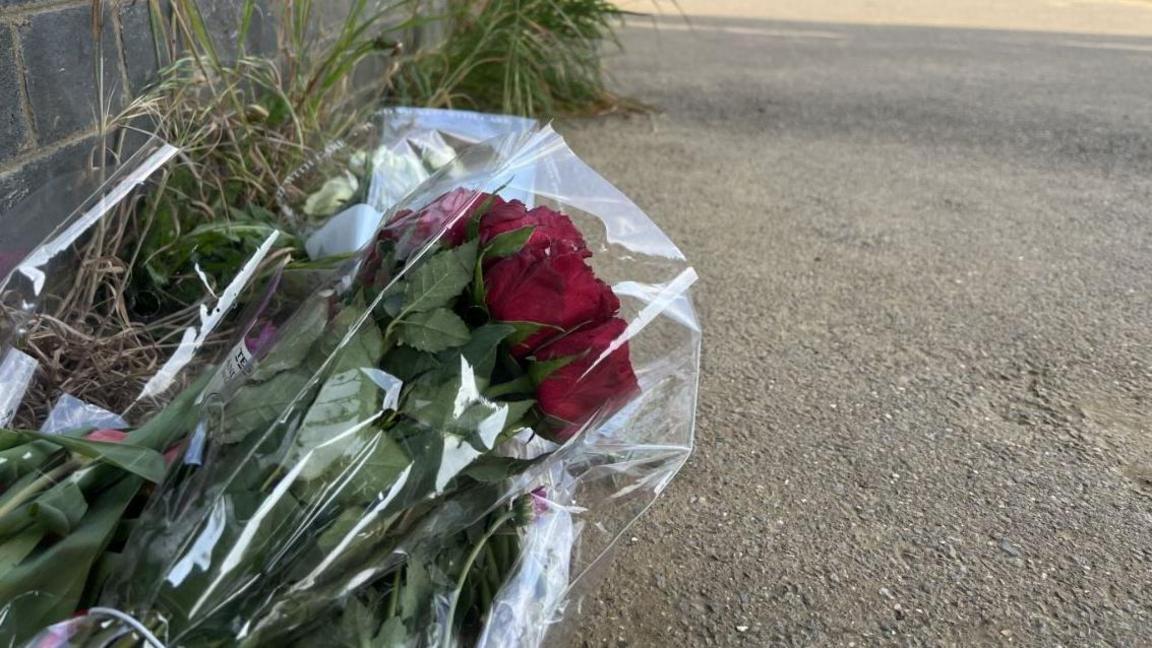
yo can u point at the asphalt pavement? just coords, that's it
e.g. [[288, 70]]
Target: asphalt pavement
[[926, 262]]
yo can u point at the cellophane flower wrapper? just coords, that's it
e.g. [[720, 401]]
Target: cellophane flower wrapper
[[87, 409], [342, 194], [413, 463]]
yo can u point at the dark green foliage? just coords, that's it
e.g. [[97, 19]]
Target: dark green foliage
[[526, 57]]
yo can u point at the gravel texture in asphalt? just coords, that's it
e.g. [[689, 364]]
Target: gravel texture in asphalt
[[926, 261]]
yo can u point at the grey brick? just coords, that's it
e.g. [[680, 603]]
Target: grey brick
[[13, 128], [223, 20], [139, 44], [58, 54], [370, 73], [44, 177], [262, 36]]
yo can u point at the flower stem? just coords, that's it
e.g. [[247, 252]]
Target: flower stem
[[450, 622], [394, 596], [521, 385]]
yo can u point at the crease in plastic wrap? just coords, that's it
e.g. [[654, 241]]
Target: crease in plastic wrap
[[81, 425], [441, 443]]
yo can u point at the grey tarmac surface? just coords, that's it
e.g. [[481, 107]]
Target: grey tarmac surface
[[926, 261]]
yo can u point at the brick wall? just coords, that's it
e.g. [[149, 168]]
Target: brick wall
[[48, 75]]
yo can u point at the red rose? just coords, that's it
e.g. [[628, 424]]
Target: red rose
[[592, 382], [447, 216], [372, 271], [552, 229], [557, 291]]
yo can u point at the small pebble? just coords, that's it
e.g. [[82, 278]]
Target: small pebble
[[1009, 548]]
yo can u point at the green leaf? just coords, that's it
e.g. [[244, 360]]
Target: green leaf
[[483, 422], [377, 469], [491, 469], [508, 243], [433, 331], [440, 279], [47, 585], [539, 370], [331, 537], [392, 304], [433, 397], [51, 519], [481, 350], [279, 111], [407, 363], [174, 421], [418, 591], [28, 457], [59, 509], [256, 405], [295, 339], [364, 349], [479, 291], [9, 439], [358, 623], [337, 435], [137, 460], [516, 412], [431, 400], [467, 254], [392, 634], [525, 330], [19, 547]]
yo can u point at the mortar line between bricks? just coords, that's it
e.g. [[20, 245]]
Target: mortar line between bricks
[[15, 164], [33, 135], [39, 8]]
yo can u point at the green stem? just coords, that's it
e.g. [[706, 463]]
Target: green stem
[[394, 596], [522, 385], [446, 640], [485, 592], [494, 574], [507, 550], [392, 325]]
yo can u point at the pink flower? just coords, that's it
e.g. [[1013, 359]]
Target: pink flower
[[59, 635], [260, 337], [117, 436], [447, 217], [106, 436], [540, 502]]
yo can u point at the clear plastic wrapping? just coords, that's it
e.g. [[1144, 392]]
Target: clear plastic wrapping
[[343, 193], [438, 444], [83, 379]]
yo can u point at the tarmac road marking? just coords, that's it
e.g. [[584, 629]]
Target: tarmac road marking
[[743, 31], [1104, 45]]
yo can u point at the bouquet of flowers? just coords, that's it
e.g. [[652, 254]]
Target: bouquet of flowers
[[95, 398], [431, 448]]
